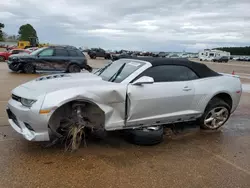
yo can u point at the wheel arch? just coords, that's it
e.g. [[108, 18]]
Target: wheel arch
[[64, 107], [225, 96], [72, 63]]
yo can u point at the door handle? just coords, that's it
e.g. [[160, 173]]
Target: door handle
[[186, 88]]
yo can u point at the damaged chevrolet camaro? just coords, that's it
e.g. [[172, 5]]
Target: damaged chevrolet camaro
[[139, 95]]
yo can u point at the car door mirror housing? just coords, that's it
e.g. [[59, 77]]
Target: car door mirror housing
[[144, 80]]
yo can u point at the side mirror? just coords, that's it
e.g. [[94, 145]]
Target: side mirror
[[143, 80]]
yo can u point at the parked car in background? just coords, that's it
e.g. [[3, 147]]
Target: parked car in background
[[173, 55], [247, 58], [115, 57], [53, 59], [162, 54], [5, 55], [98, 52], [140, 96], [221, 59], [236, 58], [32, 49]]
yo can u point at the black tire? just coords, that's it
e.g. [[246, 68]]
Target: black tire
[[88, 68], [14, 67], [74, 68], [145, 137], [93, 56], [28, 68], [215, 103], [2, 58], [107, 56]]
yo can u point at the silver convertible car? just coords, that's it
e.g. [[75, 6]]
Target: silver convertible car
[[139, 95]]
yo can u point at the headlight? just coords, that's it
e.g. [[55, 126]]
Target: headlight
[[14, 58], [27, 102]]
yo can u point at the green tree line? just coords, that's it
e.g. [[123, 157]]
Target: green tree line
[[236, 50], [25, 32], [1, 32]]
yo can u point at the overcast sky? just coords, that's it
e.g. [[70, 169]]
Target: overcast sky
[[157, 25]]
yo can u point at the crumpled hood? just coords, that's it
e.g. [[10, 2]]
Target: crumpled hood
[[50, 83]]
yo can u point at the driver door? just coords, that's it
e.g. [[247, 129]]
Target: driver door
[[45, 60], [168, 99]]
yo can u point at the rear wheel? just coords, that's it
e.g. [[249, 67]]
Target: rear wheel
[[108, 56], [29, 68], [215, 115], [74, 68], [2, 58], [93, 56]]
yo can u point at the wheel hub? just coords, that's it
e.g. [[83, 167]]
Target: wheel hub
[[216, 117]]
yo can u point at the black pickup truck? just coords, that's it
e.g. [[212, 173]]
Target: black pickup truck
[[98, 52]]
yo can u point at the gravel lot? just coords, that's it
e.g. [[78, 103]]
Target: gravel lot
[[192, 158]]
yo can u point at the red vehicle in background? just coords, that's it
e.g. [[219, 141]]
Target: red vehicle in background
[[5, 55]]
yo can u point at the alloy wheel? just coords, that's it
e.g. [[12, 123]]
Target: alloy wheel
[[216, 117]]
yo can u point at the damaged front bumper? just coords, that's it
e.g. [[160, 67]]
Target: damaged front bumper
[[26, 122], [14, 66]]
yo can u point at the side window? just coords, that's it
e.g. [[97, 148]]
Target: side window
[[170, 73], [191, 74], [79, 53], [61, 52], [46, 52], [72, 53]]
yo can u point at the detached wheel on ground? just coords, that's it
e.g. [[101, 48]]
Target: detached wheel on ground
[[145, 136], [28, 68], [216, 114], [74, 68]]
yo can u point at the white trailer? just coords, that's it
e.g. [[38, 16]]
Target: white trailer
[[209, 55]]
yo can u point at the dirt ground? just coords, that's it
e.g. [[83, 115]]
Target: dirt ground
[[192, 158]]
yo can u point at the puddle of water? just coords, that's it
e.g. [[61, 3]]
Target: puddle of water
[[246, 88]]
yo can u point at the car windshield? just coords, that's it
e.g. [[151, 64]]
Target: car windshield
[[37, 51], [118, 70]]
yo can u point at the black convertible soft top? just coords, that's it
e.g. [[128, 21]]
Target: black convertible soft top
[[199, 68]]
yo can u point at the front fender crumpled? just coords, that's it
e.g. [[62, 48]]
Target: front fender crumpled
[[110, 101]]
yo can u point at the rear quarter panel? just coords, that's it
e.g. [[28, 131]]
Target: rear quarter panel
[[207, 88]]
